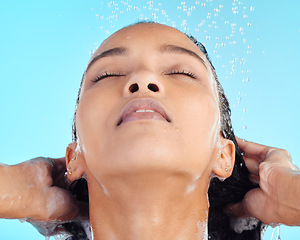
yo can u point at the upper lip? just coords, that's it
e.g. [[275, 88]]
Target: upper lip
[[143, 104]]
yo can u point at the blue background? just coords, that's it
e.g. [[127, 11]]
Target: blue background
[[45, 45]]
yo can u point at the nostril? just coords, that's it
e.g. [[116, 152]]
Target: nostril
[[133, 88], [153, 87]]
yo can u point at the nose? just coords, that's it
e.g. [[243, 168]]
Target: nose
[[144, 82]]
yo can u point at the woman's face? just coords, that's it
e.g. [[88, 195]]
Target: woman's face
[[148, 103]]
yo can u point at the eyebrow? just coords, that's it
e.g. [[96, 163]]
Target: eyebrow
[[121, 51], [181, 50], [118, 51]]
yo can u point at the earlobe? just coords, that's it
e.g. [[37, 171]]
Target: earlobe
[[74, 162], [225, 161]]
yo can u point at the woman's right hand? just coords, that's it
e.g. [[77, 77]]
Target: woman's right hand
[[35, 190]]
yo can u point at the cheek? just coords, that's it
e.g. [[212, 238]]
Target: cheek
[[93, 120], [200, 127]]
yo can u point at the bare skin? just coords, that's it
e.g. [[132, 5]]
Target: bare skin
[[147, 174]]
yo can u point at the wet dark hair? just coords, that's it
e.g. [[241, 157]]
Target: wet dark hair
[[232, 189], [220, 193]]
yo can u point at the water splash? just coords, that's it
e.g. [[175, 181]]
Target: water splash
[[277, 235]]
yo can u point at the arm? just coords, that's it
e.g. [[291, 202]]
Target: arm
[[278, 198]]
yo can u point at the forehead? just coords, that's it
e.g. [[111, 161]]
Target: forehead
[[147, 36]]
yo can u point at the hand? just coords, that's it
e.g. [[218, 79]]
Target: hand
[[36, 190], [277, 199]]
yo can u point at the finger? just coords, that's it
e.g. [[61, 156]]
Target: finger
[[275, 177], [61, 180], [257, 204], [255, 150], [58, 175], [60, 162], [281, 157], [236, 210], [42, 162], [61, 205], [60, 166], [252, 165], [254, 178], [50, 161], [252, 205]]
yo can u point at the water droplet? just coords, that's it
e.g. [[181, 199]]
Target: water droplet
[[276, 227]]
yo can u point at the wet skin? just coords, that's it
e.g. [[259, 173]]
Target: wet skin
[[189, 102], [149, 134]]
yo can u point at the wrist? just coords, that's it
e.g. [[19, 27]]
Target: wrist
[[9, 200], [18, 198]]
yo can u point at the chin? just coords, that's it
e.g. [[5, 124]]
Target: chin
[[148, 147], [144, 152], [157, 152]]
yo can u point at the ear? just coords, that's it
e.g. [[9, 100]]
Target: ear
[[225, 160], [74, 162]]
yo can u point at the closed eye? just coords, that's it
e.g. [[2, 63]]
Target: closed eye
[[106, 75], [183, 72]]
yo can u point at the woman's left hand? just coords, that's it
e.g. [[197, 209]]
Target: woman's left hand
[[277, 199]]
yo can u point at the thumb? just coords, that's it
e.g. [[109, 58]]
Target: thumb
[[251, 206]]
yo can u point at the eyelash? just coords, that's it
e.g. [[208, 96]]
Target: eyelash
[[183, 72], [107, 74]]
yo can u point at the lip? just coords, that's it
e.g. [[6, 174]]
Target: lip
[[148, 109]]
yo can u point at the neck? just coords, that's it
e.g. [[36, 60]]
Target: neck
[[160, 206]]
